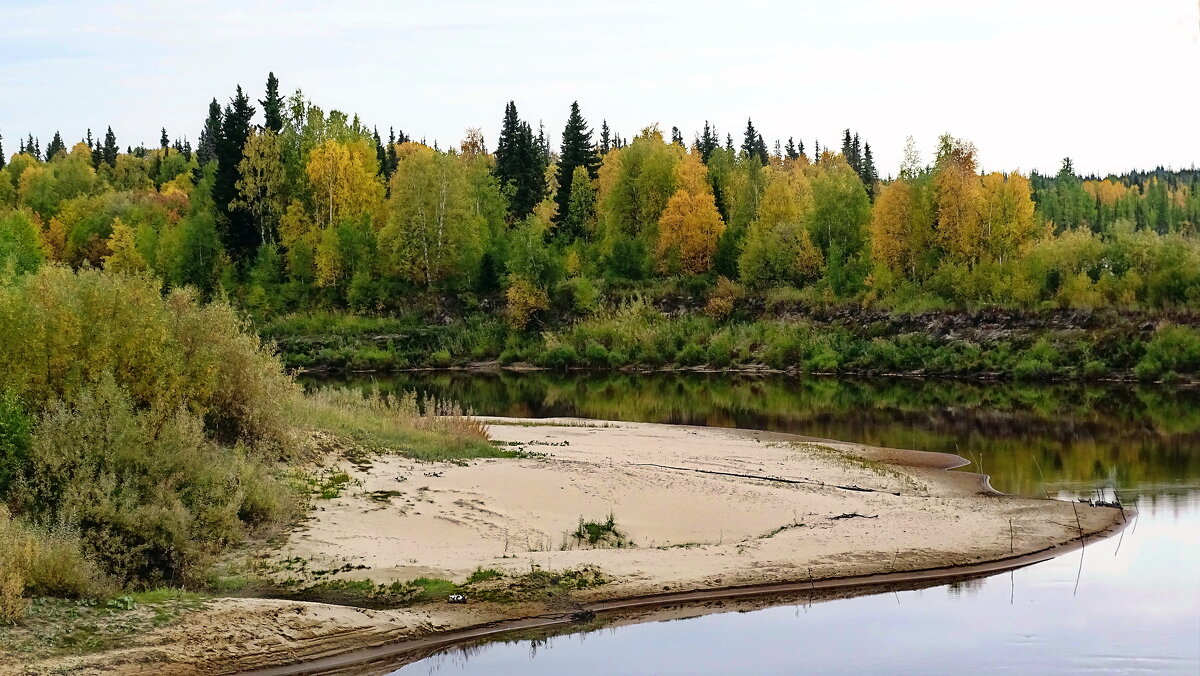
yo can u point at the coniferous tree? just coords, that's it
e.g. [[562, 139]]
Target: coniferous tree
[[241, 235], [392, 158], [605, 139], [108, 154], [753, 145], [708, 142], [380, 155], [163, 141], [790, 149], [210, 135], [576, 151], [56, 146], [187, 150], [34, 147], [3, 159], [677, 137], [870, 176], [272, 105], [20, 146], [520, 164], [729, 142], [543, 143]]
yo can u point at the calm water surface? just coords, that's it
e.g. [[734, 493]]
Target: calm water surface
[[1129, 604]]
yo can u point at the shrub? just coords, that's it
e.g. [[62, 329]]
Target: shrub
[[14, 438], [63, 331], [34, 561], [691, 355], [152, 498], [596, 354], [559, 357], [440, 358]]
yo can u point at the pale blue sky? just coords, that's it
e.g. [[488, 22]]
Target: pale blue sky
[[1111, 83]]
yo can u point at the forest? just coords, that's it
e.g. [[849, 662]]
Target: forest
[[300, 217]]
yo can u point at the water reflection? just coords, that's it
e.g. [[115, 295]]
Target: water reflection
[[1123, 605], [1079, 438]]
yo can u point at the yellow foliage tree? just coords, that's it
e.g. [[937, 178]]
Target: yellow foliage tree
[[263, 182], [343, 177], [892, 244], [958, 199], [690, 224], [123, 256], [1006, 214]]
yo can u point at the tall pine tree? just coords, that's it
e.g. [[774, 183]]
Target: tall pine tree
[[709, 141], [163, 141], [56, 146], [520, 164], [605, 138], [870, 177], [576, 151], [273, 105], [753, 145], [3, 159], [210, 135], [108, 154], [241, 235]]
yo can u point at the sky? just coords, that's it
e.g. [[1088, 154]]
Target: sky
[[1113, 84]]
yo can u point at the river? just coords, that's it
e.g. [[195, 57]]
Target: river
[[1128, 604]]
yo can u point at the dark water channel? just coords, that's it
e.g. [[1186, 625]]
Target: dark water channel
[[1129, 604]]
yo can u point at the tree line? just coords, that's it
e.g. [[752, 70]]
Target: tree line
[[300, 208]]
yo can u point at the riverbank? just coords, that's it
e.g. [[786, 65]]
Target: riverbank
[[1049, 345], [630, 510]]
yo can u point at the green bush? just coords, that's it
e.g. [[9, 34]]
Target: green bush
[[560, 357], [64, 331], [152, 498], [691, 355], [596, 355]]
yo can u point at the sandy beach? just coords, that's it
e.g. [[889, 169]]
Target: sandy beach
[[692, 509]]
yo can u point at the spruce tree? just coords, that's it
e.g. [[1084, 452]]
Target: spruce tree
[[605, 138], [210, 135], [749, 139], [187, 150], [753, 145], [241, 235], [109, 153], [520, 165], [272, 105], [56, 146], [392, 158], [790, 149], [677, 137], [163, 141], [729, 142], [848, 148], [576, 151], [870, 176], [3, 159], [709, 141], [34, 147], [380, 156]]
